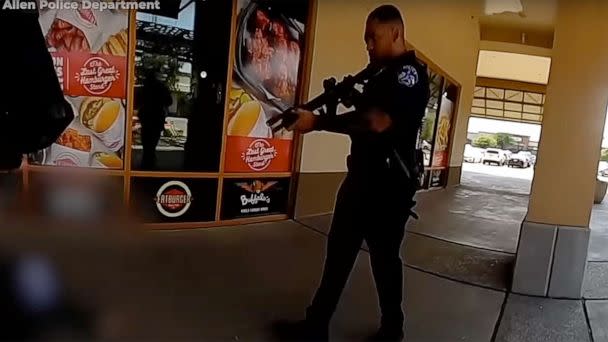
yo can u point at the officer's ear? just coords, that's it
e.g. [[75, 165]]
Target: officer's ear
[[396, 33]]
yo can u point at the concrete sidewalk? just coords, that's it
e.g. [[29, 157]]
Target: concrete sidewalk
[[473, 242], [228, 284]]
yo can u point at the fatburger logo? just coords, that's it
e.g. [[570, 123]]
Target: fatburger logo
[[97, 75], [173, 199], [259, 155]]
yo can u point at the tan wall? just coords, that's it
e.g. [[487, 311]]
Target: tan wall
[[540, 38], [515, 48], [445, 31], [575, 111], [514, 66], [317, 193]]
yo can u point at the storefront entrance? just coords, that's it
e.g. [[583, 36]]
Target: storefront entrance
[[172, 108], [172, 105]]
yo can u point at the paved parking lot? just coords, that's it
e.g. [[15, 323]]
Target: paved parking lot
[[497, 178], [503, 171]]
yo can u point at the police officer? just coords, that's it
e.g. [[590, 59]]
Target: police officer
[[375, 200]]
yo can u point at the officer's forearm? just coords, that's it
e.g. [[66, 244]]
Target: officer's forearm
[[343, 123]]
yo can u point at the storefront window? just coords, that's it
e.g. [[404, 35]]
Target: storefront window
[[166, 105], [427, 133], [444, 125], [90, 51], [164, 91], [267, 68], [187, 53], [269, 47]]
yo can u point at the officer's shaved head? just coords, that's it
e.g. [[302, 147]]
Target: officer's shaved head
[[386, 14], [385, 33]]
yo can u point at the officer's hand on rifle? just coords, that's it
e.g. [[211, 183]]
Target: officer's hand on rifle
[[305, 123]]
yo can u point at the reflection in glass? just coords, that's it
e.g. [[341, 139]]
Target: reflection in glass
[[444, 125], [427, 132], [164, 47], [154, 101]]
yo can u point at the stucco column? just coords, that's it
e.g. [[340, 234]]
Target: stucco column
[[552, 252]]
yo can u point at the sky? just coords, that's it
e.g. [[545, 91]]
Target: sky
[[185, 20], [496, 126]]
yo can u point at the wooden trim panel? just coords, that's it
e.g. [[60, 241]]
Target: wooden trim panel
[[511, 85]]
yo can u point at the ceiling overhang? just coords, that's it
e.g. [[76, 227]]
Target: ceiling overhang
[[527, 22]]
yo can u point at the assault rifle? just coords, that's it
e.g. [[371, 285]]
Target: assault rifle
[[334, 94], [347, 94]]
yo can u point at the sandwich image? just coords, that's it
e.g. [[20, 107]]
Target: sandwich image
[[107, 160], [117, 45], [99, 114], [249, 121]]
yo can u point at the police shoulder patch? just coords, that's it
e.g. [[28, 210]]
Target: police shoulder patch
[[408, 76]]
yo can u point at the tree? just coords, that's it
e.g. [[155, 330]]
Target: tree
[[485, 141], [167, 66], [427, 129], [503, 140], [605, 155]]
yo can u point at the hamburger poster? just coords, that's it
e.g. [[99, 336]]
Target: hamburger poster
[[89, 48], [266, 79]]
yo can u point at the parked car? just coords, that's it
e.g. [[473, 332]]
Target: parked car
[[527, 153], [602, 169], [494, 156], [472, 154], [521, 159]]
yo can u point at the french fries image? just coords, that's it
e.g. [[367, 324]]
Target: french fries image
[[443, 132]]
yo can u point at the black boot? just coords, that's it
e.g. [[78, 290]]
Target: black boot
[[304, 331], [387, 334]]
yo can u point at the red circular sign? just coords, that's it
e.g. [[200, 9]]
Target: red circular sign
[[173, 199], [259, 155], [97, 75]]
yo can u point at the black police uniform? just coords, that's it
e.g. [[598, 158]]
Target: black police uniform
[[374, 202]]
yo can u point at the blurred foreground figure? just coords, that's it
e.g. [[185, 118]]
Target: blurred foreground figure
[[32, 303], [33, 111], [33, 114], [75, 216]]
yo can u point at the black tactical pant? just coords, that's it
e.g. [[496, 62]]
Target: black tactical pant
[[377, 215]]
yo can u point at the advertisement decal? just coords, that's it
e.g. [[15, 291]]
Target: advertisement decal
[[254, 197], [173, 199], [166, 200], [268, 54], [89, 47]]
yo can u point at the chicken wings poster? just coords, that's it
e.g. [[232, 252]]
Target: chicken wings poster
[[266, 78]]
